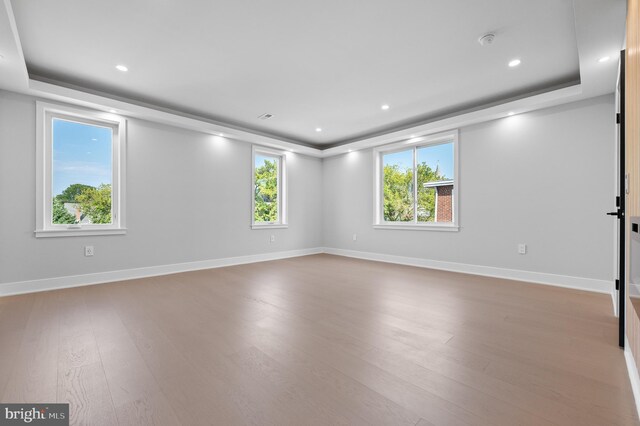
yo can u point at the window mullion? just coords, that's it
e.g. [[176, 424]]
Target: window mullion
[[278, 194], [415, 185]]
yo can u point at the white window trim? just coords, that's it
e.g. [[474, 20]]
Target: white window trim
[[434, 139], [282, 188], [44, 114]]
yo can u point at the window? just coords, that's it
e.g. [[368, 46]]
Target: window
[[80, 170], [268, 189], [416, 185]]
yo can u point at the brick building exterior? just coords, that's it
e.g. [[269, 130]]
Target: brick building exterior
[[444, 200], [444, 203]]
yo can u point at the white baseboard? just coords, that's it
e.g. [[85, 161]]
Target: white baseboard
[[20, 287], [634, 290], [45, 284], [633, 373], [578, 283]]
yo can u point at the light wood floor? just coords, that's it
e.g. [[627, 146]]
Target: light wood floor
[[317, 340]]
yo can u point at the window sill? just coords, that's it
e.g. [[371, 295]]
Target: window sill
[[269, 226], [414, 227], [51, 233]]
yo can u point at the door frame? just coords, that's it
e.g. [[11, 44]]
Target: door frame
[[620, 201]]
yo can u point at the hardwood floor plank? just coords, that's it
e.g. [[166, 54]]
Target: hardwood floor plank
[[571, 390], [218, 357], [370, 405], [85, 389], [518, 405], [193, 394], [81, 377], [450, 367], [367, 404], [34, 374], [136, 396], [404, 393], [14, 315], [320, 407], [250, 335], [226, 343], [318, 340]]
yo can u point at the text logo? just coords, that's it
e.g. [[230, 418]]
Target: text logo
[[34, 414]]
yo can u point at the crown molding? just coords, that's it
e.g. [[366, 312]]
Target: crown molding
[[587, 22]]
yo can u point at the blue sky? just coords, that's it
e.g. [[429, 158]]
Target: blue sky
[[81, 154], [260, 160], [434, 155]]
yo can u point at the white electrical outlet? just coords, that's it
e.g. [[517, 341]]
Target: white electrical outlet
[[522, 248], [272, 239], [355, 237], [88, 251]]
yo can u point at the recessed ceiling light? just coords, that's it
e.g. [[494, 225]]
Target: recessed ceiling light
[[122, 68], [384, 107], [318, 129], [350, 150], [221, 134], [510, 113], [604, 59], [514, 63], [113, 111]]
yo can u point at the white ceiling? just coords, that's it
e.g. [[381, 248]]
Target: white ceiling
[[330, 64]]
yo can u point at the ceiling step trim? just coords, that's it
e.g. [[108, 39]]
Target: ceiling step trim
[[89, 100], [77, 97]]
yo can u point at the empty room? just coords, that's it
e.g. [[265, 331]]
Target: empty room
[[320, 213]]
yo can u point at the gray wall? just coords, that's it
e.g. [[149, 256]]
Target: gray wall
[[544, 178], [188, 199]]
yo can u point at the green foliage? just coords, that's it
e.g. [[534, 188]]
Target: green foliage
[[69, 195], [427, 196], [96, 203], [60, 215], [398, 193], [266, 192]]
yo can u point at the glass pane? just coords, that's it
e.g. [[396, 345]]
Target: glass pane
[[266, 188], [81, 173], [435, 183], [398, 186]]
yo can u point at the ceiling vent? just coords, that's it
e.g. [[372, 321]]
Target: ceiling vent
[[265, 116], [487, 39]]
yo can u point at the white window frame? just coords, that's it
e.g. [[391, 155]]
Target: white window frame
[[282, 188], [45, 113], [403, 145]]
